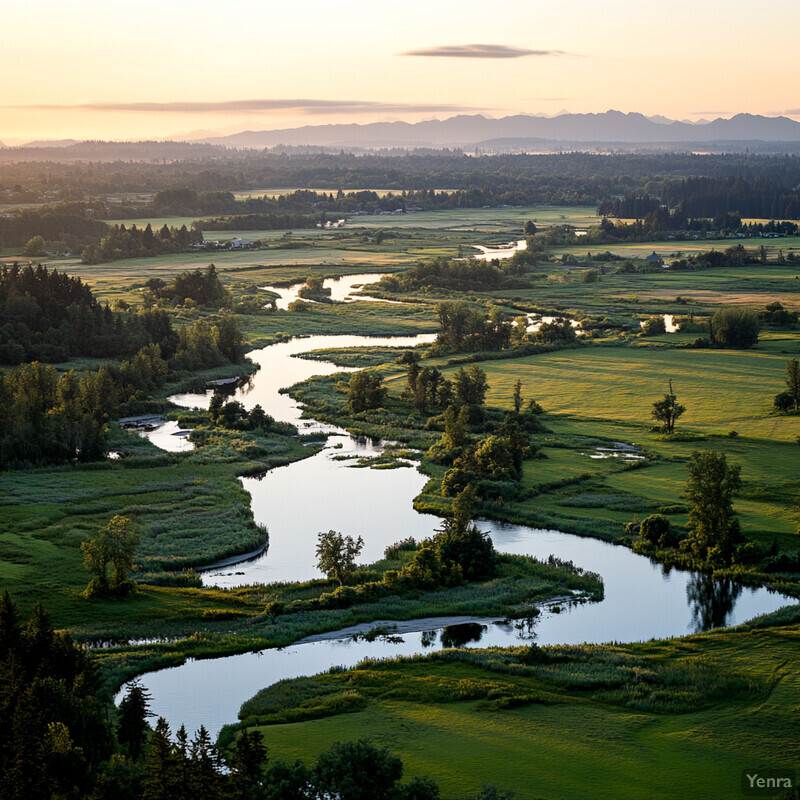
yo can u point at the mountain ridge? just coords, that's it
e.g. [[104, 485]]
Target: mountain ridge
[[472, 129]]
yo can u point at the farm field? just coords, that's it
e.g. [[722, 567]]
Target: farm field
[[638, 295], [722, 390], [682, 248]]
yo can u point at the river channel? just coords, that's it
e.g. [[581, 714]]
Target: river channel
[[642, 599]]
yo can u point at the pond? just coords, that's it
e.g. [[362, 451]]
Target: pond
[[670, 325], [504, 251]]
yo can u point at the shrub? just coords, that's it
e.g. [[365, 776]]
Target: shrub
[[274, 608], [654, 326], [657, 530], [404, 545], [783, 402]]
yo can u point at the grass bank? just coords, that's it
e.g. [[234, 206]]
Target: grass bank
[[650, 721], [224, 622]]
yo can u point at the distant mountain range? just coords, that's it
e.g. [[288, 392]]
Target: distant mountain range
[[520, 133], [522, 130]]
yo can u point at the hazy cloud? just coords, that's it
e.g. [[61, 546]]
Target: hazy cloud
[[481, 51], [793, 112], [301, 106]]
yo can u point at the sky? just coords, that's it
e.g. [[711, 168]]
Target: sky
[[108, 69]]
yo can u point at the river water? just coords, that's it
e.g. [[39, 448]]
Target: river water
[[642, 600], [341, 290]]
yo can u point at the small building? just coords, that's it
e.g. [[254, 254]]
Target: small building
[[654, 258]]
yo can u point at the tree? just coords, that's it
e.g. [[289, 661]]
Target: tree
[[247, 765], [713, 529], [357, 771], [411, 362], [461, 548], [115, 546], [336, 554], [529, 228], [734, 327], [656, 529], [456, 427], [366, 391], [494, 459], [123, 539], [34, 247], [162, 776], [517, 396], [654, 326], [427, 388], [668, 410], [470, 385], [132, 714], [228, 338], [461, 326], [468, 553], [793, 381], [205, 777]]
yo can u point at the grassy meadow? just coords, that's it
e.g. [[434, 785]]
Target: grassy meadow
[[649, 721], [190, 507]]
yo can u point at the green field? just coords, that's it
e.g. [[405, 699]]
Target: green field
[[653, 721], [722, 390], [674, 249]]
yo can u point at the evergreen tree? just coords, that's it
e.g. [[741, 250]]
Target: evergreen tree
[[205, 777], [132, 714], [161, 782], [247, 766]]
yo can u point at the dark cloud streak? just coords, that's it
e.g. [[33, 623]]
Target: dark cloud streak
[[302, 106], [481, 51]]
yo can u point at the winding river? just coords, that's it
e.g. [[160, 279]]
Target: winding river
[[642, 600]]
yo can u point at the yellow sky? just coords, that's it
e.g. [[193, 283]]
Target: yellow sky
[[108, 69]]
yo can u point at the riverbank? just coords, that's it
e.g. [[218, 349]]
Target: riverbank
[[271, 616], [654, 720]]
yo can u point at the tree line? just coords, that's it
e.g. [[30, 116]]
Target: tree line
[[47, 417], [46, 315], [121, 242], [551, 175], [59, 740], [67, 223], [50, 316]]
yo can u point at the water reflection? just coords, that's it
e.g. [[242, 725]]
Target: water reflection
[[460, 635], [427, 638], [711, 600]]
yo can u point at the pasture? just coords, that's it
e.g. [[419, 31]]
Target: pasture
[[652, 721]]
